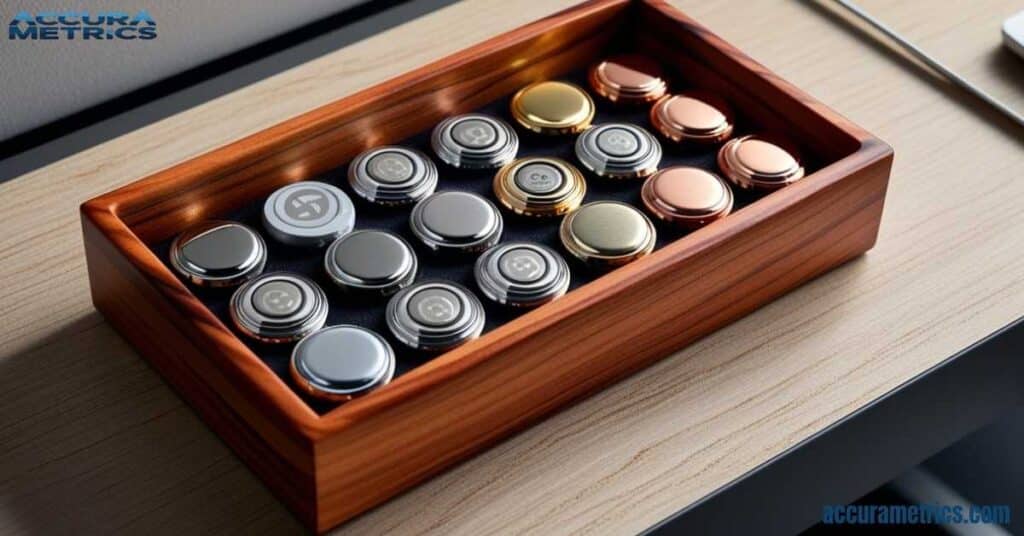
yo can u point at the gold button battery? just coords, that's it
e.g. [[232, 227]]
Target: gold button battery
[[759, 163], [687, 196], [552, 107], [540, 186], [628, 79], [606, 234], [697, 118]]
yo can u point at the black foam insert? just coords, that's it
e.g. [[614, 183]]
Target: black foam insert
[[344, 309]]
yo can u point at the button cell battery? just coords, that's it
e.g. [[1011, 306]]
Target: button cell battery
[[308, 213], [435, 315]]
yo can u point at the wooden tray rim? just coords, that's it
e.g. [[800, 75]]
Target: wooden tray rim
[[256, 377]]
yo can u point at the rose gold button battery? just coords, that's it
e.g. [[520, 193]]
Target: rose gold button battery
[[687, 196], [628, 79], [693, 118], [759, 163]]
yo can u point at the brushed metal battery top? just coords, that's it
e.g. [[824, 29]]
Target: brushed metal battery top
[[522, 274], [435, 306], [218, 254], [279, 307], [435, 315], [474, 141], [338, 363], [392, 175], [539, 178], [379, 261], [308, 213], [618, 150], [457, 221]]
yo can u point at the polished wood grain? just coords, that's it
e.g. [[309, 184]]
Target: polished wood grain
[[183, 348], [334, 467], [102, 424]]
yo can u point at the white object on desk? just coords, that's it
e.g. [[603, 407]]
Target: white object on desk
[[1013, 33]]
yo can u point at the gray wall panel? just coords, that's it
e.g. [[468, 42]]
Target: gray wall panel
[[41, 81]]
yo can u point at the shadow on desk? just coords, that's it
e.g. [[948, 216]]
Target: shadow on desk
[[1009, 66], [92, 441]]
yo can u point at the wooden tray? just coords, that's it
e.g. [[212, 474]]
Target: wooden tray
[[329, 466]]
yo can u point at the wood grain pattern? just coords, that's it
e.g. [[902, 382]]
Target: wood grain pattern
[[333, 467], [180, 350], [621, 459]]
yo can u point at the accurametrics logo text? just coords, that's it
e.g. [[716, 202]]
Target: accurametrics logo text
[[82, 25]]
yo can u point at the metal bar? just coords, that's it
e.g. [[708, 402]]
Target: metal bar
[[931, 62]]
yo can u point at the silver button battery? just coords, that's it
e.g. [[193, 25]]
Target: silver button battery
[[435, 315], [308, 213], [475, 141], [376, 261], [279, 307], [522, 274], [457, 221], [619, 151], [218, 254], [339, 363], [392, 175]]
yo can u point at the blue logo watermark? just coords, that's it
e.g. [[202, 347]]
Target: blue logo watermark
[[82, 25], [915, 514]]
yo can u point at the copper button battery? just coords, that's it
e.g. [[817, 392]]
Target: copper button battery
[[759, 163], [540, 186], [628, 79], [552, 107], [339, 363], [606, 234], [687, 196], [693, 118]]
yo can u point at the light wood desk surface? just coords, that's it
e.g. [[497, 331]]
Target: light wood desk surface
[[91, 438]]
